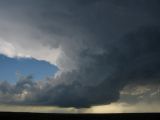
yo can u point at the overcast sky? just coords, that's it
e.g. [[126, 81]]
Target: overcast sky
[[80, 55]]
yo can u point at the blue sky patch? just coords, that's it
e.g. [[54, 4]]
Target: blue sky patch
[[10, 67]]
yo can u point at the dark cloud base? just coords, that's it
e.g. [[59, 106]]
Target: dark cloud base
[[134, 59]]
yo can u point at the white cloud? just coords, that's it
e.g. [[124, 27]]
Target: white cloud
[[38, 52]]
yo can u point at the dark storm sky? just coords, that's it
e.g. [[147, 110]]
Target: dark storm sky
[[103, 46]]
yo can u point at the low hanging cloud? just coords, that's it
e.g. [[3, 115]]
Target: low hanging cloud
[[99, 47]]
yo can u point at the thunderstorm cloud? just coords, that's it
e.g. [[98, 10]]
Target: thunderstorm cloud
[[99, 46]]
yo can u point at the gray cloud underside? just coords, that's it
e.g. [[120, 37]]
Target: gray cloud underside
[[108, 45]]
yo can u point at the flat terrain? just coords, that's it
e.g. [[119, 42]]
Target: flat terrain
[[55, 116]]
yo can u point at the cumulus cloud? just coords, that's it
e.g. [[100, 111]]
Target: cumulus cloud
[[99, 46]]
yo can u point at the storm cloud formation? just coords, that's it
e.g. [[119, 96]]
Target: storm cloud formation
[[102, 45]]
